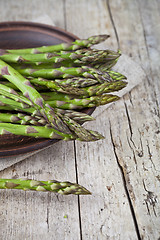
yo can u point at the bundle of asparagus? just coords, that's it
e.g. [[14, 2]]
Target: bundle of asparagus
[[47, 85], [42, 90]]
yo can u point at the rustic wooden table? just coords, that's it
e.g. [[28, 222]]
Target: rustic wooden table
[[122, 171]]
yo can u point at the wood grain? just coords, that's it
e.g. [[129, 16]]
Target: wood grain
[[139, 157], [123, 170]]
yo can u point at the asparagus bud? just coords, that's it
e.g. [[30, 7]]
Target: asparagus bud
[[64, 188]]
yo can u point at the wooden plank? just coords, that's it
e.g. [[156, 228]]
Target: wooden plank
[[21, 10], [28, 215], [31, 215], [122, 171], [136, 140], [106, 214]]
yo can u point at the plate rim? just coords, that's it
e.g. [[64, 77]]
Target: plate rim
[[36, 24]]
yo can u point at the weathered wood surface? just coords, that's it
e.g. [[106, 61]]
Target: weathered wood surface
[[122, 171]]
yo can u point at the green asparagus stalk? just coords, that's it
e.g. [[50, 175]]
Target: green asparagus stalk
[[102, 64], [41, 65], [82, 133], [4, 107], [105, 65], [77, 82], [93, 101], [55, 86], [79, 117], [77, 44], [63, 72], [116, 75], [64, 188], [22, 118], [47, 132], [50, 57], [96, 89], [79, 56], [33, 131]]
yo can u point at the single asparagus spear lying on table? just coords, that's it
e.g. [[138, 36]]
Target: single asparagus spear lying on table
[[64, 188]]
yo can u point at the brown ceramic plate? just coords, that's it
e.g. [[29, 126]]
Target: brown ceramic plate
[[26, 35]]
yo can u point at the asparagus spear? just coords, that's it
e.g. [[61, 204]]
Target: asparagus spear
[[81, 132], [64, 72], [64, 188], [82, 43], [80, 117], [22, 118], [33, 131], [96, 89], [84, 103], [55, 86], [105, 62], [47, 132], [79, 56], [76, 82], [25, 119]]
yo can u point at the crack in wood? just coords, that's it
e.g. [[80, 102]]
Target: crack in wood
[[125, 186], [79, 207], [114, 147], [47, 219], [150, 156], [112, 21], [134, 156], [141, 153], [129, 124]]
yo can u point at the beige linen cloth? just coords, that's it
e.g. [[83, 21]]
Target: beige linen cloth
[[125, 65]]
